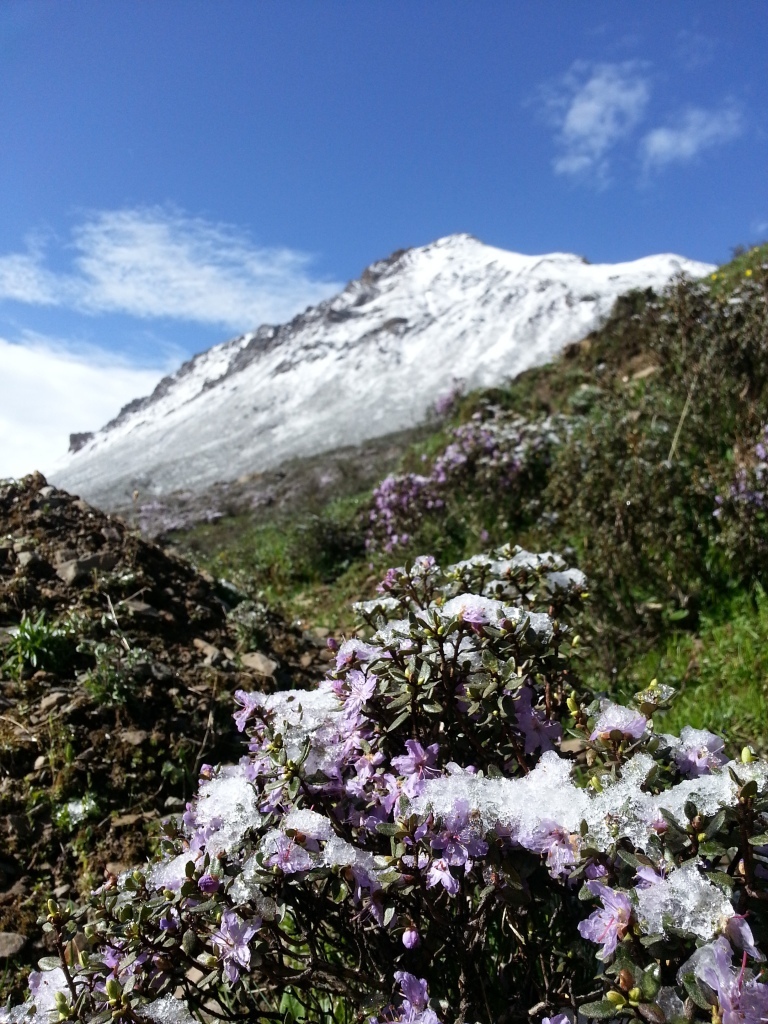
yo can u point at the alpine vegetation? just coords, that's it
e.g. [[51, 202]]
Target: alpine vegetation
[[496, 451], [449, 827]]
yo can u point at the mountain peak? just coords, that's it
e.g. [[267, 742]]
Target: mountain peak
[[369, 361]]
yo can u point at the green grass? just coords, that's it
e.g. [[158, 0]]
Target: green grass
[[721, 673], [744, 264]]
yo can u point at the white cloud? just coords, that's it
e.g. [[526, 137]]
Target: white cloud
[[694, 131], [156, 262], [48, 391], [594, 107]]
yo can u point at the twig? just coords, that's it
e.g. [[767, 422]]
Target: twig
[[18, 725], [683, 414]]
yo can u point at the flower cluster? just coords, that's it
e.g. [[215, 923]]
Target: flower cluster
[[496, 451], [414, 841]]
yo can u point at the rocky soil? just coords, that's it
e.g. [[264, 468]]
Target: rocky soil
[[117, 666]]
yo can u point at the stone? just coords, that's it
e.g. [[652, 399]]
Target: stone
[[11, 943], [133, 737], [259, 663], [52, 700], [205, 648], [137, 607], [28, 559], [79, 569]]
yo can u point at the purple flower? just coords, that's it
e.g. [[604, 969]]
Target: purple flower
[[248, 703], [560, 846], [414, 989], [360, 688], [647, 876], [536, 730], [698, 751], [560, 1018], [609, 924], [232, 940], [288, 856], [740, 934], [208, 884], [439, 871], [616, 718], [741, 999], [458, 839], [416, 765], [415, 1007], [411, 937], [354, 650]]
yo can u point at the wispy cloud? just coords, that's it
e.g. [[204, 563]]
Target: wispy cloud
[[48, 391], [156, 262], [692, 132], [594, 107]]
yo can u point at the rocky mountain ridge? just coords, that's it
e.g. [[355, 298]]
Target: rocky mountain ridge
[[370, 361]]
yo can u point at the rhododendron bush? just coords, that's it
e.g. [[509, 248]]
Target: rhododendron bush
[[448, 828], [496, 452]]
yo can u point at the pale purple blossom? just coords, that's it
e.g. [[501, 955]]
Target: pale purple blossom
[[288, 856], [538, 733], [355, 650], [440, 873], [698, 752], [741, 999], [417, 765], [560, 846], [411, 937], [232, 940], [415, 1005], [458, 838], [609, 924], [617, 718], [248, 702], [740, 934]]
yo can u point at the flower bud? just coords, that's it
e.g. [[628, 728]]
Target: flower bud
[[616, 998], [53, 907], [635, 995], [626, 979], [62, 1004], [747, 755], [114, 991]]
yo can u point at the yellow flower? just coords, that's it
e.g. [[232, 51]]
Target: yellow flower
[[747, 273], [714, 277]]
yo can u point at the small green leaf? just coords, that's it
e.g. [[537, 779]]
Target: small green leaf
[[601, 1010]]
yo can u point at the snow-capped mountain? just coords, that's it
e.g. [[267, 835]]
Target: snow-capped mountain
[[370, 361]]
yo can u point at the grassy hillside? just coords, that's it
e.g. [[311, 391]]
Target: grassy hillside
[[650, 482]]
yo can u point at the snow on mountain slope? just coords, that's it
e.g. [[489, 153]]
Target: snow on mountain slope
[[367, 362]]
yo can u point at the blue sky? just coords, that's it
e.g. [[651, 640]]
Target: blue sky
[[174, 173]]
